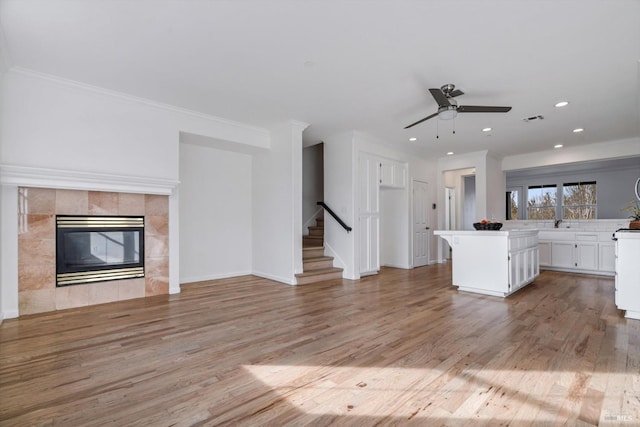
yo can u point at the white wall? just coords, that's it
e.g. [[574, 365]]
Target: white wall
[[277, 205], [215, 213], [49, 124], [339, 195], [495, 190], [312, 182]]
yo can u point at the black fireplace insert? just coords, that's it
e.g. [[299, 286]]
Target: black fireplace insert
[[98, 248]]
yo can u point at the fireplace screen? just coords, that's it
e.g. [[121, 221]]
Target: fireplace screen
[[98, 248]]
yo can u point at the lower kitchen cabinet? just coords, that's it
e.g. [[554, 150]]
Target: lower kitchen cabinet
[[562, 254], [586, 252]]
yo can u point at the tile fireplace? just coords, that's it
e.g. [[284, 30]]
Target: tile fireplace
[[39, 210]]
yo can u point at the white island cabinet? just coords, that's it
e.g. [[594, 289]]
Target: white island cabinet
[[493, 262], [627, 262]]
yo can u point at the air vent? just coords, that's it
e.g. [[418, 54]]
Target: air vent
[[532, 118]]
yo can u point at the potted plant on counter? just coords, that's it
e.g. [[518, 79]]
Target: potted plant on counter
[[634, 208]]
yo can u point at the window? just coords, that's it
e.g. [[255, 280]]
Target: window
[[512, 204], [579, 200], [541, 203]]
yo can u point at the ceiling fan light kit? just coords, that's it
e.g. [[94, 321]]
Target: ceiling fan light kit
[[448, 107]]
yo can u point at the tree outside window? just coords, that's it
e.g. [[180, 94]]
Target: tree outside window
[[579, 200], [541, 203], [512, 204]]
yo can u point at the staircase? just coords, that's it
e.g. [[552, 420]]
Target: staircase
[[316, 266]]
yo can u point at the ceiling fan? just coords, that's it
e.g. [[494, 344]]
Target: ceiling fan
[[448, 107]]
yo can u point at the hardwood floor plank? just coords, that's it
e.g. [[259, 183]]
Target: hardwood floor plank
[[400, 348]]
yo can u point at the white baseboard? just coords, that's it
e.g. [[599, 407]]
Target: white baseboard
[[207, 277], [10, 314], [284, 280], [401, 266]]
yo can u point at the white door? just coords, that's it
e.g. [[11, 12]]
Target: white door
[[420, 224], [449, 217], [369, 215]]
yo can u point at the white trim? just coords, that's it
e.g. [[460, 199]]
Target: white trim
[[195, 279], [26, 176], [273, 277], [9, 314]]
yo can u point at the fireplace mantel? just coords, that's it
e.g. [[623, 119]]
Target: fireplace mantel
[[26, 176]]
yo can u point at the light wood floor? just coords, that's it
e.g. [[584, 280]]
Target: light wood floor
[[400, 348]]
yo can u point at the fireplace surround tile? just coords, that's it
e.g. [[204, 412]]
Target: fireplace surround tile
[[156, 205], [37, 201], [72, 202], [102, 294], [37, 226], [131, 288], [103, 203], [72, 296], [36, 276], [131, 204], [36, 251], [37, 301]]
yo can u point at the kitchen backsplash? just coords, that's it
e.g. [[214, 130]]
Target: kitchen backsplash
[[584, 224]]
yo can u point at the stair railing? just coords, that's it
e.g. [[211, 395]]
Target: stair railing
[[336, 217]]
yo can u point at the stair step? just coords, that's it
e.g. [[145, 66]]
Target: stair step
[[316, 231], [315, 263], [312, 252], [308, 241], [319, 275], [320, 222]]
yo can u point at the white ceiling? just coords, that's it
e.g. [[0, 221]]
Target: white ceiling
[[343, 65]]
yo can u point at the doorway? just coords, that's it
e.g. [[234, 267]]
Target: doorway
[[421, 230]]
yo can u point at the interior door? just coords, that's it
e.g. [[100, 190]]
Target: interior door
[[369, 215], [421, 234]]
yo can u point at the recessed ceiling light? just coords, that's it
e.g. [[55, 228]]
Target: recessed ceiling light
[[562, 104], [578, 130], [413, 138], [450, 153], [558, 146], [486, 130]]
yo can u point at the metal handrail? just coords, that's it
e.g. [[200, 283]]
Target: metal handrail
[[336, 217]]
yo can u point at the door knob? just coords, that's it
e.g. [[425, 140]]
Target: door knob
[[426, 228]]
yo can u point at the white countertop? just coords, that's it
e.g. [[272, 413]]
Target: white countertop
[[480, 233]]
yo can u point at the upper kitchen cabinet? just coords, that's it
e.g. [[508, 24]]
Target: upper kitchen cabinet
[[393, 174]]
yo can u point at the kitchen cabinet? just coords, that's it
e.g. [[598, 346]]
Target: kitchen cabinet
[[393, 174], [544, 249], [627, 294], [606, 257], [577, 251], [562, 254], [586, 256], [494, 263]]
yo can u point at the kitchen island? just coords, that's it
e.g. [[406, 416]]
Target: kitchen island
[[494, 263]]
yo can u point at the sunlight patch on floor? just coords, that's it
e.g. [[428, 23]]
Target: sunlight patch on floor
[[422, 393]]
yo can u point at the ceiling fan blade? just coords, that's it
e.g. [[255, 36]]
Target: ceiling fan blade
[[482, 109], [440, 98], [422, 120], [456, 92]]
